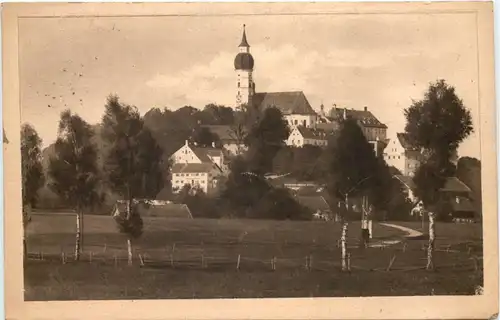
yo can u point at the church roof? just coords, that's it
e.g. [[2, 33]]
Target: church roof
[[294, 102]]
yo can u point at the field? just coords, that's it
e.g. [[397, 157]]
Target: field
[[199, 259]]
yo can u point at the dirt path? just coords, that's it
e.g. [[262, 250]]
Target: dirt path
[[410, 233]]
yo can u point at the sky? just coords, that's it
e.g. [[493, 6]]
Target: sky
[[382, 61]]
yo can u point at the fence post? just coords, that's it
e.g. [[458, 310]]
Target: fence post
[[307, 263], [90, 257], [116, 261], [391, 262], [172, 255], [62, 258], [349, 261], [238, 263]]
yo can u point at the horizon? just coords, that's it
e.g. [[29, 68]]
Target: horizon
[[324, 56]]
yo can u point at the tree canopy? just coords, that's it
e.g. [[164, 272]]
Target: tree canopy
[[265, 138], [73, 169], [133, 165], [436, 125], [439, 122], [31, 164], [352, 162]]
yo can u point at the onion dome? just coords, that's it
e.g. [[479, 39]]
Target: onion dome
[[243, 61]]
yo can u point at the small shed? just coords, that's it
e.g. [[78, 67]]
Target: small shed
[[156, 208]]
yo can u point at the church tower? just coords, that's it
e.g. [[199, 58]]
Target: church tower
[[243, 65]]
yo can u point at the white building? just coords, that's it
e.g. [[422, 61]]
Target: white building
[[300, 136], [197, 167], [399, 154]]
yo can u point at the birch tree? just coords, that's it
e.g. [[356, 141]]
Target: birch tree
[[436, 125], [32, 173], [73, 170], [133, 165]]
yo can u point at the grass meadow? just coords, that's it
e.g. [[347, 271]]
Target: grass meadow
[[235, 258]]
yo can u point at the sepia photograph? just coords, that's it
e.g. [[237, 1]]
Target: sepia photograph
[[208, 152]]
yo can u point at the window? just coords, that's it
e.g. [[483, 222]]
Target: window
[[296, 122], [304, 123], [197, 174], [238, 84], [399, 157]]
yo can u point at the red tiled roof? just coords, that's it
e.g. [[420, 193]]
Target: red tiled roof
[[294, 102]]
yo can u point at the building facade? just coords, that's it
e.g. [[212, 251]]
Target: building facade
[[198, 167], [399, 154], [300, 136]]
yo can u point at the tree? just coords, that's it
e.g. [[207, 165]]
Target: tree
[[469, 172], [205, 138], [352, 163], [265, 139], [436, 125], [279, 204], [198, 202], [217, 115], [73, 170], [32, 173], [133, 165], [243, 189]]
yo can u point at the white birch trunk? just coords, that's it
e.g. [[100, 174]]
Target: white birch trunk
[[343, 244], [432, 236], [78, 236], [129, 249], [370, 227]]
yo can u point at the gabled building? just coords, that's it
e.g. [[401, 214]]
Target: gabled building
[[374, 130], [399, 154], [198, 167], [455, 198], [153, 208], [300, 136], [294, 105]]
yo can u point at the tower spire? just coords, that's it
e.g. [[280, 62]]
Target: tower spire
[[244, 42]]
